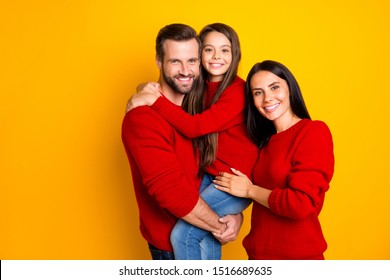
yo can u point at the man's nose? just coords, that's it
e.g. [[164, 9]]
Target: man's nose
[[184, 70]]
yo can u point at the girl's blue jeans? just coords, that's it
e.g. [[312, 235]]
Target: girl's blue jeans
[[193, 243]]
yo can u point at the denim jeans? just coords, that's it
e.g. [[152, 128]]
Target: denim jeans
[[158, 254], [192, 243]]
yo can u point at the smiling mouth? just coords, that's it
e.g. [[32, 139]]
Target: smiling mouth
[[272, 107], [184, 79], [216, 65]]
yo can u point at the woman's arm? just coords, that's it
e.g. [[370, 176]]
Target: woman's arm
[[238, 184], [306, 182]]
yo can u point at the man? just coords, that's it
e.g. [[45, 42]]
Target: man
[[162, 161]]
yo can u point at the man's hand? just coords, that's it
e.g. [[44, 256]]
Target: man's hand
[[233, 226], [204, 217]]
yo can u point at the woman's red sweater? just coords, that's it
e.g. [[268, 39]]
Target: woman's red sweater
[[297, 165]]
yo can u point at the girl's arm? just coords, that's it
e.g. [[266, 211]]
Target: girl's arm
[[225, 113], [147, 94]]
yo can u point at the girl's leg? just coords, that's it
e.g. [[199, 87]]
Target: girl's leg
[[223, 203], [190, 242], [186, 239], [207, 179]]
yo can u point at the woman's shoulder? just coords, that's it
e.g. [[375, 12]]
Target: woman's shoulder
[[317, 129], [318, 125]]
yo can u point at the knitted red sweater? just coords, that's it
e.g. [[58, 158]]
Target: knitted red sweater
[[297, 165], [226, 117], [164, 172]]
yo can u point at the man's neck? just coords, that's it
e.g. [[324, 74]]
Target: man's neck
[[170, 94]]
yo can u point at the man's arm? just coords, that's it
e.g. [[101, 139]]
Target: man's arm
[[148, 138], [204, 217]]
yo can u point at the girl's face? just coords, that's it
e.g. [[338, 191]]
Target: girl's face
[[216, 55], [271, 97]]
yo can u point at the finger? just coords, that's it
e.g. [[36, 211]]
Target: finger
[[224, 189], [237, 172], [220, 183], [226, 175], [128, 107], [227, 236]]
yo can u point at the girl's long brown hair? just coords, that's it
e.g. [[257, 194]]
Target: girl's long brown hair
[[194, 103]]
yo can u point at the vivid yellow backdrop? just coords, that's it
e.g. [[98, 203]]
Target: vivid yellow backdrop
[[68, 68]]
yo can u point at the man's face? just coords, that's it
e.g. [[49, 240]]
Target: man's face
[[180, 68]]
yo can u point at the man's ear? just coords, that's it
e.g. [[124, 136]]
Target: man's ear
[[158, 62]]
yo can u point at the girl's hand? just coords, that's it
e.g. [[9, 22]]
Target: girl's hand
[[147, 94], [150, 87], [237, 184]]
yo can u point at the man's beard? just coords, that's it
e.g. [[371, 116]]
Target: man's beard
[[180, 88]]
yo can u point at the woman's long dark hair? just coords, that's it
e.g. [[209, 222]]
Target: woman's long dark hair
[[260, 129], [194, 103]]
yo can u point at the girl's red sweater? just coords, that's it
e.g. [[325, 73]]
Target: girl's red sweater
[[226, 117], [297, 165]]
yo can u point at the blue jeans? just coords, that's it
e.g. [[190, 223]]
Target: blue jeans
[[158, 254], [193, 243]]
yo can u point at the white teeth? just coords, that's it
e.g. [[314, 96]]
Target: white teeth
[[269, 108], [216, 65]]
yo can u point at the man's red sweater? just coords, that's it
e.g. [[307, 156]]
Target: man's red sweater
[[226, 117], [164, 172], [297, 165]]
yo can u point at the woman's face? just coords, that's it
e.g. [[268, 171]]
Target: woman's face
[[271, 97], [216, 55]]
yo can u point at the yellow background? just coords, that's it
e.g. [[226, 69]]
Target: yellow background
[[69, 67]]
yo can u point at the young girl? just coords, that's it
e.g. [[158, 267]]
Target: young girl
[[292, 174], [216, 122]]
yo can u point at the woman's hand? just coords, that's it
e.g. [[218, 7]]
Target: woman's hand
[[147, 94], [237, 184]]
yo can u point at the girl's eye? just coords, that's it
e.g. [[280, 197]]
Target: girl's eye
[[257, 92], [274, 87]]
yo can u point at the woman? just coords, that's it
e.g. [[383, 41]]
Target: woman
[[292, 173]]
